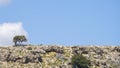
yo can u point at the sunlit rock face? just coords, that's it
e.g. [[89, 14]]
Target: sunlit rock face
[[53, 56]]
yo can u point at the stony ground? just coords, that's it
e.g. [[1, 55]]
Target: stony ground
[[51, 56]]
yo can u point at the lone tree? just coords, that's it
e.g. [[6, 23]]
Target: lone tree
[[19, 39]]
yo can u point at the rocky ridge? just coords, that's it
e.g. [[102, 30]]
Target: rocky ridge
[[51, 56]]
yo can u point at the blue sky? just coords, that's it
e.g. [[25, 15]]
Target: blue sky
[[66, 22]]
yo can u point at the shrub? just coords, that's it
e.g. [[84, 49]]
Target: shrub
[[79, 61], [29, 48]]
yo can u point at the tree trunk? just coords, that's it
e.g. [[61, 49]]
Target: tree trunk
[[15, 43]]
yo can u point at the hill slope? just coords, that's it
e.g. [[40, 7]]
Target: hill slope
[[58, 56]]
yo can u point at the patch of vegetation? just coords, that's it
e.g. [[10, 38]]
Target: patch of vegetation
[[79, 61], [29, 48], [67, 52]]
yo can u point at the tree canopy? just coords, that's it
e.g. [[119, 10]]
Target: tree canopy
[[19, 39]]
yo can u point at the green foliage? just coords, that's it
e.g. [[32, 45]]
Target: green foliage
[[20, 39], [29, 48], [79, 61]]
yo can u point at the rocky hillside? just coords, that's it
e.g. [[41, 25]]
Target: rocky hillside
[[58, 56]]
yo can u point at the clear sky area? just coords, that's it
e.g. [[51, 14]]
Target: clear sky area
[[66, 22]]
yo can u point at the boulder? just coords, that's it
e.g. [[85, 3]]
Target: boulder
[[4, 55], [56, 49], [117, 48], [25, 58]]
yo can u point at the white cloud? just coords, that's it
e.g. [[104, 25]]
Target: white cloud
[[4, 2], [8, 31]]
